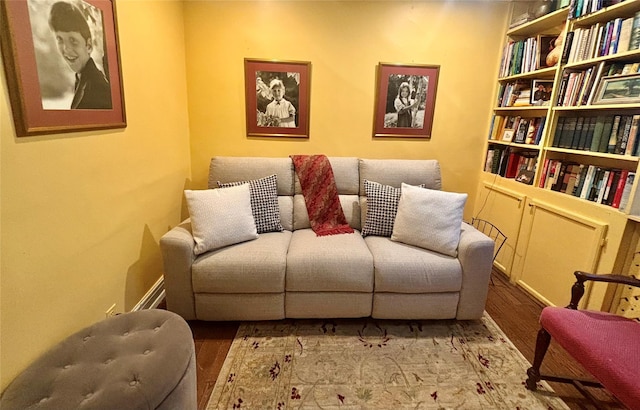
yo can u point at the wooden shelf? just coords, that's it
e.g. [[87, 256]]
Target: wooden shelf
[[624, 9], [617, 157], [544, 73], [550, 23], [523, 108]]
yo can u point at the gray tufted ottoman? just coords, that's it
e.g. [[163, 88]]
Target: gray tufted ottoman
[[138, 360]]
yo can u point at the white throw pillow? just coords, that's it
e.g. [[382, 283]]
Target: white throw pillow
[[220, 217], [430, 219]]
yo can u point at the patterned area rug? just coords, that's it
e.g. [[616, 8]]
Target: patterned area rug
[[375, 364]]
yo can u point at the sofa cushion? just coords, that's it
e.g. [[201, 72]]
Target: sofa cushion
[[249, 267], [264, 202], [230, 169], [430, 219], [220, 217], [396, 171], [401, 268], [350, 207], [339, 263]]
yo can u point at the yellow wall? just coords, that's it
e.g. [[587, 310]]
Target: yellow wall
[[344, 41], [82, 213]]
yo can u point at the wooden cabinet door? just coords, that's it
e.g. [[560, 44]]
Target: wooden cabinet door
[[503, 208], [553, 244]]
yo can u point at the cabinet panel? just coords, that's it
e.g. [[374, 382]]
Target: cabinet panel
[[503, 208], [556, 244]]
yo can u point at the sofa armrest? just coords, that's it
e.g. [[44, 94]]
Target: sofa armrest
[[176, 247], [475, 253]]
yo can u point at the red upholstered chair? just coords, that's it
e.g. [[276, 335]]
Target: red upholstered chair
[[605, 344]]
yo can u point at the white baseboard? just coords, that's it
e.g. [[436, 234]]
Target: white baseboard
[[153, 297]]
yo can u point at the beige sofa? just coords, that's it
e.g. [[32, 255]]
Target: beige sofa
[[296, 274]]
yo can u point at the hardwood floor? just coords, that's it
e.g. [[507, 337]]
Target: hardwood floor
[[512, 309]]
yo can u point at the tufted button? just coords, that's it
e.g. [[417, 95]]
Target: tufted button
[[133, 383], [155, 329], [88, 396], [44, 399], [86, 338], [66, 366], [147, 351], [125, 334]]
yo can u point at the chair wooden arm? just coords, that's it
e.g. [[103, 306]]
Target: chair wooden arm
[[577, 290]]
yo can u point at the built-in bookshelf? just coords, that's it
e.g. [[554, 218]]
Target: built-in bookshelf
[[596, 108], [583, 108], [563, 147]]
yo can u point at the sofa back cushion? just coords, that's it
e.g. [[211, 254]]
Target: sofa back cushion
[[396, 171], [233, 169]]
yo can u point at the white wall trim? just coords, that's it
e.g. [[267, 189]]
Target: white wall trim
[[153, 297]]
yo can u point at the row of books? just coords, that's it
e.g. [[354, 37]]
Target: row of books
[[598, 184], [526, 55], [579, 87], [613, 134], [510, 163], [578, 8], [514, 94], [602, 39], [518, 129]]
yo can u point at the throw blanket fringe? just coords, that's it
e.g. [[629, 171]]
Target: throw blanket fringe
[[320, 195]]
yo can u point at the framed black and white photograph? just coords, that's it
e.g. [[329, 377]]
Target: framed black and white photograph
[[405, 100], [618, 89], [541, 92], [62, 62], [277, 98]]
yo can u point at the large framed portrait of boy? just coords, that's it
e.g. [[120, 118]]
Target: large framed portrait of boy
[[405, 100], [62, 63], [277, 98]]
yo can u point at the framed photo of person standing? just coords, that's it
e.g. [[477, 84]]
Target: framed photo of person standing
[[277, 98], [405, 100], [62, 62]]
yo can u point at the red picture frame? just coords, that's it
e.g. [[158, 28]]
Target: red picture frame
[[270, 113], [409, 116], [45, 95]]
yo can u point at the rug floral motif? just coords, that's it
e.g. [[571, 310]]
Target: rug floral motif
[[376, 364]]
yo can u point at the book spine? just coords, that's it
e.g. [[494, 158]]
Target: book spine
[[587, 182], [634, 42], [620, 188], [602, 186], [613, 139], [626, 192], [567, 47], [543, 174], [633, 132]]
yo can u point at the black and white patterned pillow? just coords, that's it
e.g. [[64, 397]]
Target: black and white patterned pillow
[[382, 206], [264, 202]]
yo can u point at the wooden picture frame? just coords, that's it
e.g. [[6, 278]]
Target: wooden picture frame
[[541, 97], [546, 43], [618, 89], [413, 117], [41, 65], [270, 113]]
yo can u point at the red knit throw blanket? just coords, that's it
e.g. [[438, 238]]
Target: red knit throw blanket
[[320, 195]]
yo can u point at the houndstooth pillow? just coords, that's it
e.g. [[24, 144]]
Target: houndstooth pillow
[[264, 202], [382, 206]]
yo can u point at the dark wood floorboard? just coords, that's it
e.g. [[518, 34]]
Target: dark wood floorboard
[[511, 307]]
